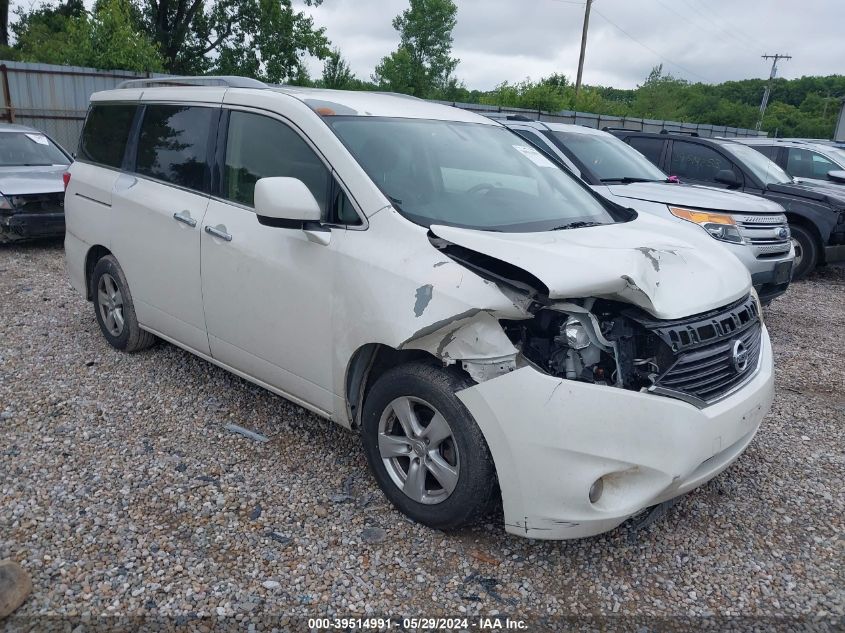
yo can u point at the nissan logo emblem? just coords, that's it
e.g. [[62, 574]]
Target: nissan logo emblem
[[739, 360]]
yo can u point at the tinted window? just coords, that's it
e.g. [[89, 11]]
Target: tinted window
[[651, 148], [769, 151], [261, 147], [173, 144], [607, 158], [802, 163], [696, 162], [105, 134]]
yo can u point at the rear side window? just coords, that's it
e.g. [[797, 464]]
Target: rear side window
[[696, 162], [106, 133], [651, 148], [173, 145], [768, 151], [261, 147]]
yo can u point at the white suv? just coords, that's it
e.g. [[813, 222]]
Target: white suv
[[491, 326]]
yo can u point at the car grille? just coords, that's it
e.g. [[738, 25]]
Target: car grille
[[714, 354], [767, 234], [39, 202]]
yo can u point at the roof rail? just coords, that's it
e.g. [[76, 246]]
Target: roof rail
[[229, 81], [665, 131], [608, 128]]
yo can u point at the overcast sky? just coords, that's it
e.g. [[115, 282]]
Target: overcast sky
[[698, 40]]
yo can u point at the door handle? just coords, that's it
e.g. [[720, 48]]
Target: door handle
[[218, 231], [185, 218]]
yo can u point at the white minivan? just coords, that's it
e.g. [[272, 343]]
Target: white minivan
[[493, 328]]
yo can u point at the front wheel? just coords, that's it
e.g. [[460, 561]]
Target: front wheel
[[806, 251], [424, 448]]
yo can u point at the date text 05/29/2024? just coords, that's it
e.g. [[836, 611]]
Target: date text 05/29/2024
[[412, 624]]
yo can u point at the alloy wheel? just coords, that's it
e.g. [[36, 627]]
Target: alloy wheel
[[418, 449], [110, 303]]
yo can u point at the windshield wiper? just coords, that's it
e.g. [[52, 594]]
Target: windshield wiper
[[628, 179], [575, 225]]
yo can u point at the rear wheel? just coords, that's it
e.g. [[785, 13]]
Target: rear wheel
[[806, 251], [424, 448], [114, 308]]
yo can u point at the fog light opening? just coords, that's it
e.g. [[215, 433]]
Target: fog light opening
[[596, 489]]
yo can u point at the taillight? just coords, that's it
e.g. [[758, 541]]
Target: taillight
[[66, 179]]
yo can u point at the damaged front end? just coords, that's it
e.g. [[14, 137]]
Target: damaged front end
[[699, 359]]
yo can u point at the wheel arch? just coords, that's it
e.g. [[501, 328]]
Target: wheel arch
[[95, 254], [367, 364], [809, 226]]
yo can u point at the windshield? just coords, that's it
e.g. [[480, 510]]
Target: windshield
[[469, 175], [839, 155], [29, 149], [607, 158], [763, 168]]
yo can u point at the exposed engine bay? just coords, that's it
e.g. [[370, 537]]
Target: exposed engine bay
[[610, 343]]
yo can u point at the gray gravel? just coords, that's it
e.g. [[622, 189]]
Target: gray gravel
[[123, 494]]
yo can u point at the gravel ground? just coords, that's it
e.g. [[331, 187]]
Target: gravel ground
[[122, 494]]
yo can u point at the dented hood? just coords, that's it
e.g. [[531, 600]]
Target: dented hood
[[695, 196], [670, 271]]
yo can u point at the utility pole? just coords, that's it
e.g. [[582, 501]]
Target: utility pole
[[768, 91], [583, 49]]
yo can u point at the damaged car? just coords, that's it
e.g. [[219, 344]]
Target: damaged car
[[496, 331], [31, 184]]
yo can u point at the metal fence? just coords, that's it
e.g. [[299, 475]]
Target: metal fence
[[55, 99], [600, 121]]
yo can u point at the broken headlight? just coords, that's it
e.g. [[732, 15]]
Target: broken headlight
[[721, 226], [5, 204]]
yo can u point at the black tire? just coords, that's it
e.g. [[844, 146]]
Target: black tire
[[475, 491], [806, 248], [130, 337]]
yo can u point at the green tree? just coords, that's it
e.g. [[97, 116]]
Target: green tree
[[422, 65], [108, 38], [336, 72], [265, 39]]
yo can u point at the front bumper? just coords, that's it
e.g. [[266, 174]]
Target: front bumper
[[551, 439], [769, 275], [23, 226]]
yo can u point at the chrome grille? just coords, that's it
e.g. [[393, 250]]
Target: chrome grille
[[767, 234], [708, 373], [701, 368]]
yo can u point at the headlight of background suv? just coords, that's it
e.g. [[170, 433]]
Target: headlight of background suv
[[5, 205], [721, 226]]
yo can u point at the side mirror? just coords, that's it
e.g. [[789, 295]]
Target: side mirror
[[836, 175], [285, 202], [727, 177]]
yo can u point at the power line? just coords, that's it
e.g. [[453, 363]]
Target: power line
[[648, 48], [698, 25], [741, 39]]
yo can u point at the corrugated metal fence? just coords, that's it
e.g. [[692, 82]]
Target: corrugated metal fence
[[600, 121], [55, 99]]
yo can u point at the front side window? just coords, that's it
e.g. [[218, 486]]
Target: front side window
[[802, 163], [651, 148], [106, 133], [260, 147], [767, 171], [470, 175], [173, 144], [607, 158], [691, 161]]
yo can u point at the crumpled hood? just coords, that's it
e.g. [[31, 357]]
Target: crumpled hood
[[15, 181], [695, 196], [666, 269]]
